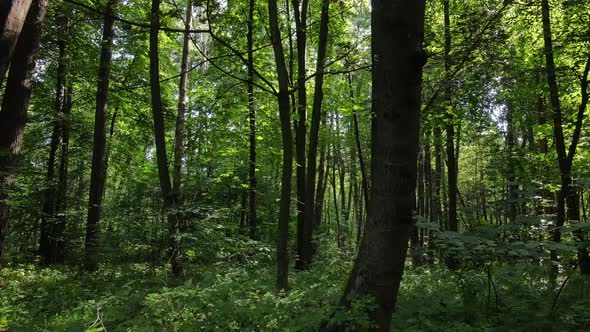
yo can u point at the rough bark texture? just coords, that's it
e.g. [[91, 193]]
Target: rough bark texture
[[98, 170], [287, 171], [12, 18], [397, 34], [13, 115]]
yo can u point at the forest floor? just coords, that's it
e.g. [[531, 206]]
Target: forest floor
[[236, 293]]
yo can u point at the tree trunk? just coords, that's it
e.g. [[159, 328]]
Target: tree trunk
[[13, 115], [313, 214], [252, 123], [182, 99], [49, 206], [12, 17], [285, 118], [98, 171], [397, 33], [567, 192], [160, 142], [57, 243], [303, 258]]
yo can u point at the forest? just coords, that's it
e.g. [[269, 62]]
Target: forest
[[294, 165]]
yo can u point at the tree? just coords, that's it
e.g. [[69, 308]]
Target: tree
[[397, 34], [252, 125], [287, 169], [159, 138], [12, 17], [567, 193], [98, 172], [13, 115]]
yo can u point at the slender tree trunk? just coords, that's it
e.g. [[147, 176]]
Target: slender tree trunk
[[252, 123], [567, 192], [57, 243], [98, 171], [12, 17], [313, 213], [160, 141], [321, 185], [304, 249], [13, 115], [182, 100], [512, 186], [49, 206], [397, 33], [285, 118]]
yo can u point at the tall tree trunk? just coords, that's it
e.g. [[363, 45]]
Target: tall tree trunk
[[567, 191], [160, 142], [287, 171], [12, 17], [322, 183], [57, 243], [512, 186], [182, 100], [98, 171], [357, 140], [13, 115], [49, 205], [252, 123], [313, 214], [304, 248], [397, 34]]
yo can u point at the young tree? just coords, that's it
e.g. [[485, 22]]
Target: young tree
[[397, 34], [98, 169]]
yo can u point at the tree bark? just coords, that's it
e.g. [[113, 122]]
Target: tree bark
[[397, 34], [12, 18], [98, 170], [13, 115], [287, 171]]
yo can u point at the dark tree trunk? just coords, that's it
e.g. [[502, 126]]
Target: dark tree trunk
[[98, 171], [397, 33], [313, 214], [285, 118], [49, 205], [252, 123], [565, 158], [13, 115], [304, 249], [321, 185], [12, 17], [512, 186], [57, 243], [160, 142], [357, 140]]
